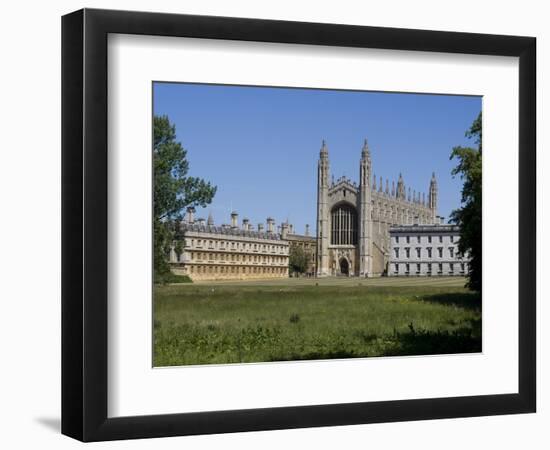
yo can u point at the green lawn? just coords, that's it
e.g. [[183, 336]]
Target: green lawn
[[234, 322]]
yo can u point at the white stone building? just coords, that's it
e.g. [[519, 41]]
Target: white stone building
[[426, 250]]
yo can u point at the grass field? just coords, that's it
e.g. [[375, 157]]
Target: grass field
[[296, 319]]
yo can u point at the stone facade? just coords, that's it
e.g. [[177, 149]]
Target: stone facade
[[228, 252], [426, 250], [363, 229], [354, 220]]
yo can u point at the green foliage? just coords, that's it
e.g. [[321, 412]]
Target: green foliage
[[298, 259], [217, 324], [468, 216], [170, 277], [178, 247], [173, 189]]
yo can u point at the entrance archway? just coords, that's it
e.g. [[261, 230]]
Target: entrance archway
[[344, 267]]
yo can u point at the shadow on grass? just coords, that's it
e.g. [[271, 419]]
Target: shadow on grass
[[465, 300], [426, 342], [410, 343], [336, 354]]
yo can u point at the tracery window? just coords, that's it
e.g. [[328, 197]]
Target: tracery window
[[344, 225]]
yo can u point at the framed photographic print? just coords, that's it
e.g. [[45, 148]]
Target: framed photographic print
[[273, 224]]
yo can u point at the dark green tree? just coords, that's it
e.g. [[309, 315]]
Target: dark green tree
[[298, 260], [173, 189], [468, 216]]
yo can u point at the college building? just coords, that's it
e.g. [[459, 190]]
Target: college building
[[364, 228], [204, 251], [354, 219], [426, 250]]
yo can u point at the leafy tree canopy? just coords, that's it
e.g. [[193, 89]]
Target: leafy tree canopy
[[298, 260], [173, 189], [468, 217]]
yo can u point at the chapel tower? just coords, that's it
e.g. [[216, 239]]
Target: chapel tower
[[323, 170], [365, 220]]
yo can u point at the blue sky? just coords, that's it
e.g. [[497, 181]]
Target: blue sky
[[260, 145]]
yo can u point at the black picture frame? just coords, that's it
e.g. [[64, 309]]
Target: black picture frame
[[84, 224]]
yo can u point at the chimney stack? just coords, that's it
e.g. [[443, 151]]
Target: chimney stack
[[270, 225], [284, 230], [260, 227], [234, 219], [307, 229], [246, 224]]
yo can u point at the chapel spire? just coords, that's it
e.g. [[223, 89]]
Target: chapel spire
[[324, 150], [400, 188], [365, 167], [365, 152], [432, 196]]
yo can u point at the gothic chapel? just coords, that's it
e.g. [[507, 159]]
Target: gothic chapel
[[353, 221]]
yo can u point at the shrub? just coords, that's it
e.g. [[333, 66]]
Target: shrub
[[170, 277], [294, 318]]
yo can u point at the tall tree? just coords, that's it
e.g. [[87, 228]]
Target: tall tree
[[173, 190], [298, 260], [468, 216]]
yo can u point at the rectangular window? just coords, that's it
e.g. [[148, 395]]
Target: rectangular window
[[418, 252], [397, 239], [396, 250], [429, 267], [440, 268], [440, 251], [440, 238], [408, 252], [408, 240], [451, 267], [418, 239], [418, 268], [397, 268], [429, 239], [452, 238], [406, 268], [451, 251], [429, 252]]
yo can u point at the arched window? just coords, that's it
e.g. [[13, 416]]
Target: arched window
[[344, 225]]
